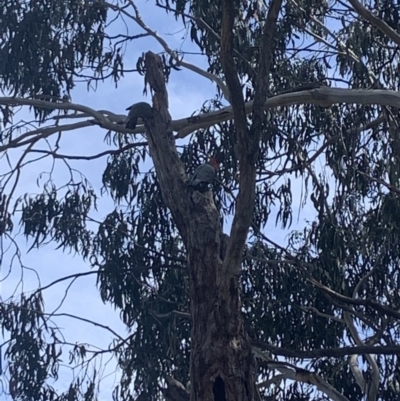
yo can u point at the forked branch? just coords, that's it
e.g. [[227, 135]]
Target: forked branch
[[247, 142]]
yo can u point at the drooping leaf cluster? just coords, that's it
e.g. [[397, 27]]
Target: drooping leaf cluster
[[47, 44], [34, 354], [345, 178]]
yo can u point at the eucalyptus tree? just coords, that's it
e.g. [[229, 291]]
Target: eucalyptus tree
[[305, 117]]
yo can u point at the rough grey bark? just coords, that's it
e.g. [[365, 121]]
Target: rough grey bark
[[222, 365]]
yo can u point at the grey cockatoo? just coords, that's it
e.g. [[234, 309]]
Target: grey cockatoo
[[138, 110], [204, 175]]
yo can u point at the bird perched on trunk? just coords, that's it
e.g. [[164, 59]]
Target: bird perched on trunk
[[204, 175], [138, 110]]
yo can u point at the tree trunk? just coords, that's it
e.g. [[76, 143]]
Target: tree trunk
[[222, 366]]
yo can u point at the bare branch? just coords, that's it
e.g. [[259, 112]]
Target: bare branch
[[292, 372], [274, 380], [245, 201], [247, 142], [174, 55], [176, 313], [329, 352], [364, 302], [91, 157], [42, 133], [371, 390], [13, 101], [375, 21], [201, 23], [322, 96], [82, 319], [336, 38], [308, 377], [358, 376], [373, 386]]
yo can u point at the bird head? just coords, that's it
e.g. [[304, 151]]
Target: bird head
[[214, 162]]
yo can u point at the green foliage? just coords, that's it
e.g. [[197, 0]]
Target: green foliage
[[47, 43], [33, 352], [140, 260], [64, 221]]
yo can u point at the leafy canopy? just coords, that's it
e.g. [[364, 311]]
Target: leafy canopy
[[337, 167]]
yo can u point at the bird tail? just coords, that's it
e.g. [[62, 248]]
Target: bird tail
[[131, 123]]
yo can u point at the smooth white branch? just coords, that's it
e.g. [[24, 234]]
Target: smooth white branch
[[323, 96]]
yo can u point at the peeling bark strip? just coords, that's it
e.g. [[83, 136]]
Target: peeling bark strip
[[222, 366]]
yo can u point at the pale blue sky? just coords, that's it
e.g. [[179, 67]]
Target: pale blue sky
[[187, 92]]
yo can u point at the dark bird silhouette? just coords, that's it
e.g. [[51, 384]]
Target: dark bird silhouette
[[138, 110]]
